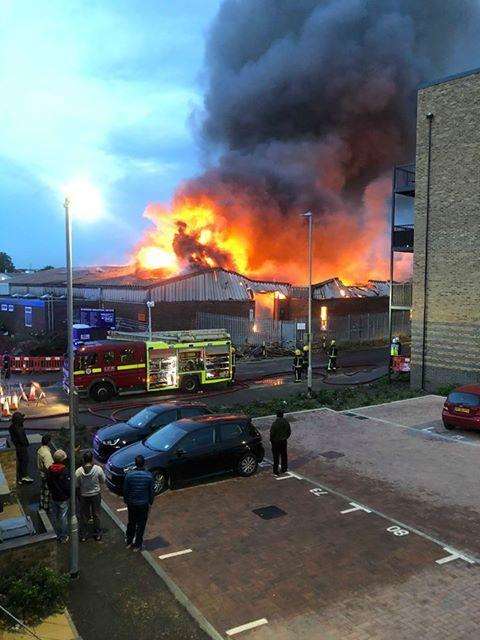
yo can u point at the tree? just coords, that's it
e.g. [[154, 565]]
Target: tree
[[6, 263], [47, 268]]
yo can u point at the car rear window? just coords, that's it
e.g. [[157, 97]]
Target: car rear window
[[231, 432], [467, 399]]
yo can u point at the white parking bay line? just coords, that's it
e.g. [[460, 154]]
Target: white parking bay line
[[247, 627], [123, 509], [356, 507], [175, 553], [286, 475], [454, 555]]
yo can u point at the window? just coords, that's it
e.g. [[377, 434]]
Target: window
[[164, 418], [142, 316], [127, 356], [323, 318], [190, 412], [108, 358], [86, 361], [467, 399], [166, 438], [197, 439], [231, 432], [28, 317], [142, 418]]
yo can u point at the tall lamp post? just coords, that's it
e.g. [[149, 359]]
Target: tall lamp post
[[309, 215], [150, 305], [73, 562], [82, 201]]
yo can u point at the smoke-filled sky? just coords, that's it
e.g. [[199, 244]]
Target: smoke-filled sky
[[273, 106]]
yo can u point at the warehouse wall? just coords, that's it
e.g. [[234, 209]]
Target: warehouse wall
[[447, 252], [297, 308]]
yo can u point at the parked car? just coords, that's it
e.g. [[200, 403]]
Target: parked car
[[462, 408], [113, 437], [191, 448]]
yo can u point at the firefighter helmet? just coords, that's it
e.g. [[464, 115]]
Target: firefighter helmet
[[306, 348], [333, 342], [298, 352]]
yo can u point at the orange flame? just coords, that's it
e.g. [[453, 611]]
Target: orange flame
[[201, 232]]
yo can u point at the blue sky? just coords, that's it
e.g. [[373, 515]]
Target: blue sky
[[101, 91]]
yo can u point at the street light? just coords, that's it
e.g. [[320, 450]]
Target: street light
[[309, 215], [150, 305], [83, 201]]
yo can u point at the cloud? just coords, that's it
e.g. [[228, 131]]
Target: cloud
[[82, 82]]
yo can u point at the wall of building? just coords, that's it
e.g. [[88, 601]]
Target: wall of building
[[447, 256], [14, 318], [175, 315], [297, 308]]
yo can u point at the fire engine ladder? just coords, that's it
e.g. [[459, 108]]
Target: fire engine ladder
[[171, 337]]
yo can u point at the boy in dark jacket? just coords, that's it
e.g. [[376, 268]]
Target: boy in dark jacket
[[138, 496], [20, 442], [58, 479], [279, 433]]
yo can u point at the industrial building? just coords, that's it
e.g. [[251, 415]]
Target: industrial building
[[446, 291]]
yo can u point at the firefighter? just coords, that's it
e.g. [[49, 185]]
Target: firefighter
[[264, 349], [332, 356], [395, 347], [234, 362], [297, 365], [6, 366], [305, 357]]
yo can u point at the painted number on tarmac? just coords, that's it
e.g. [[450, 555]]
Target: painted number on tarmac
[[398, 531]]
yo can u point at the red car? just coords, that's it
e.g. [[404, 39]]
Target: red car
[[462, 408]]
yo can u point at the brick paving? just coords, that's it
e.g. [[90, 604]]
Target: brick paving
[[313, 573]]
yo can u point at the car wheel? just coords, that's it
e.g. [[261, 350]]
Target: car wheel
[[190, 384], [160, 482], [247, 465], [448, 426], [102, 391]]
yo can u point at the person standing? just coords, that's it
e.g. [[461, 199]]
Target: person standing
[[90, 478], [297, 365], [332, 356], [58, 479], [138, 495], [279, 434], [234, 362], [44, 462], [6, 366], [20, 442]]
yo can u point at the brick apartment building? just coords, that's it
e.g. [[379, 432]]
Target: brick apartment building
[[446, 283]]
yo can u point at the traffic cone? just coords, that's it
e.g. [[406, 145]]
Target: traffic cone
[[14, 405], [32, 396], [6, 409]]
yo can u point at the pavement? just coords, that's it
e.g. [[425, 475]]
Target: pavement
[[372, 533]]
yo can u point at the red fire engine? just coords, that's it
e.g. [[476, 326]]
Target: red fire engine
[[170, 360]]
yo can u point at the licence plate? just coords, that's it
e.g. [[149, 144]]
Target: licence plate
[[462, 410]]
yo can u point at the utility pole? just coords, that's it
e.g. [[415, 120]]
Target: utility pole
[[309, 215], [73, 564]]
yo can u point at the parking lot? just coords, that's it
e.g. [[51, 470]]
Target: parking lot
[[373, 534]]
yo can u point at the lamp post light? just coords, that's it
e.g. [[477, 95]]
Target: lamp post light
[[73, 558], [150, 305], [309, 215]]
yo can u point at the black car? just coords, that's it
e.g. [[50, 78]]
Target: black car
[[191, 448], [109, 439]]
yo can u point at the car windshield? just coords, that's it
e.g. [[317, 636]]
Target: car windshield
[[467, 399], [142, 418], [166, 438]]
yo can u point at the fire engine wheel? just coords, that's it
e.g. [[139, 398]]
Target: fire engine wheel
[[102, 391], [160, 482], [247, 465], [190, 384]]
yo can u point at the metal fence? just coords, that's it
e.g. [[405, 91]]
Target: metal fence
[[367, 327]]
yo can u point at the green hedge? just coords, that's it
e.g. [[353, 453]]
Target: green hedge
[[32, 595]]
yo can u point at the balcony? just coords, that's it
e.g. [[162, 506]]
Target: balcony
[[405, 180], [402, 295], [403, 238]]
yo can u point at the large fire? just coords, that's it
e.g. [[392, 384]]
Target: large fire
[[200, 232]]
